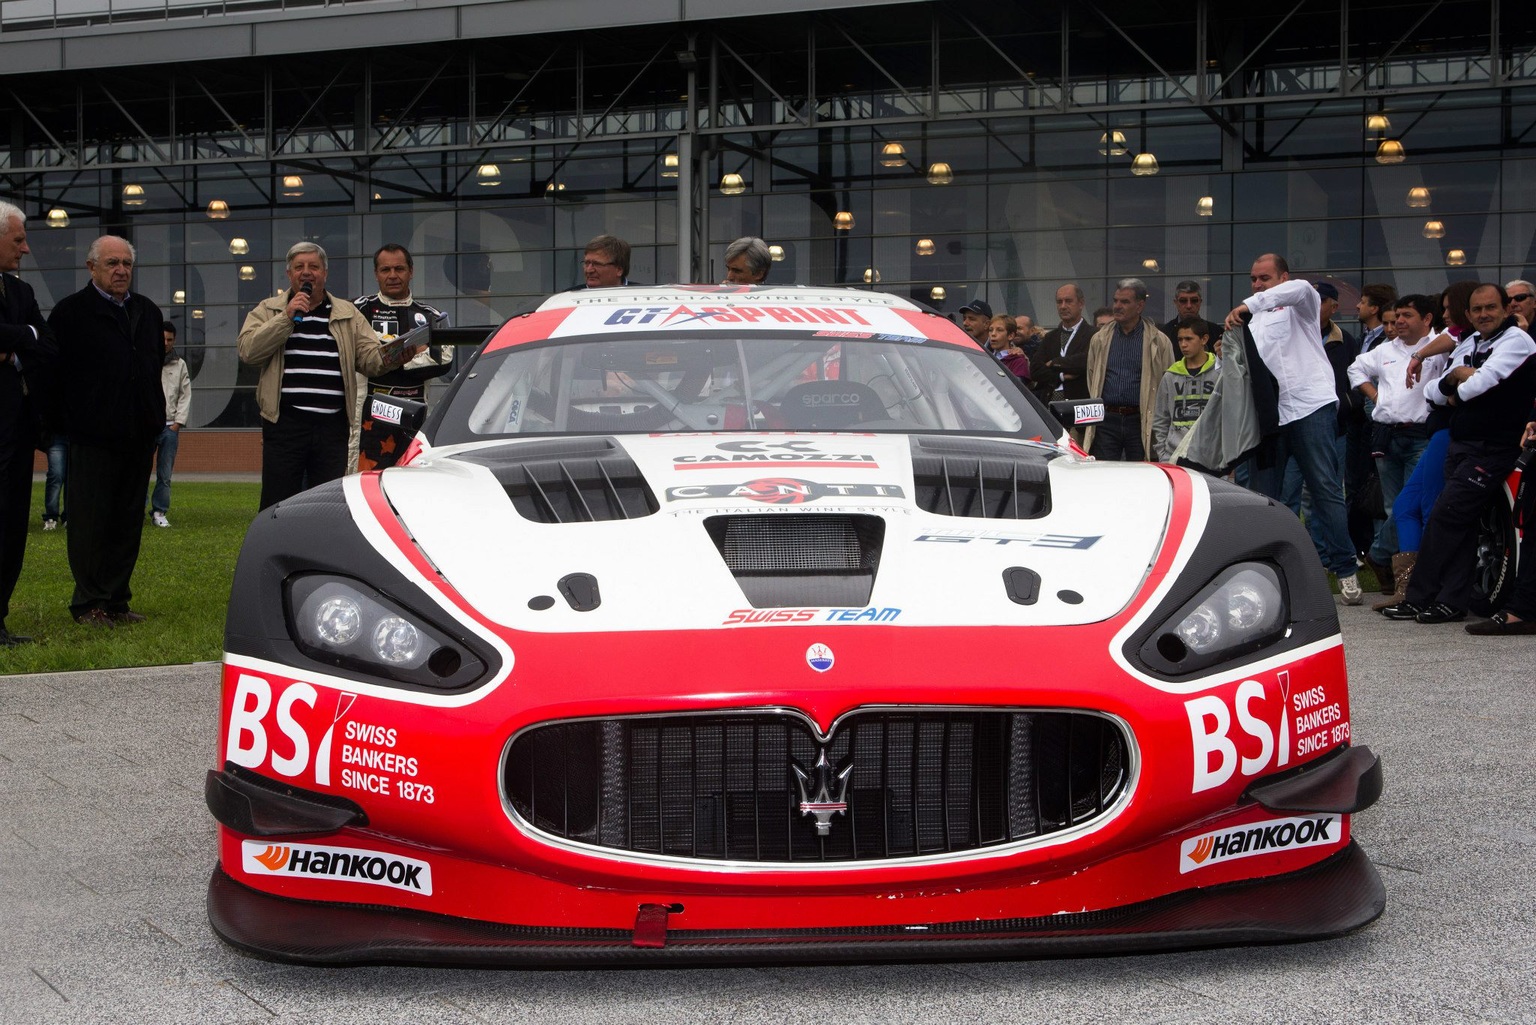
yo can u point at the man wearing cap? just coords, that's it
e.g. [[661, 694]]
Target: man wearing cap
[[1126, 360], [976, 320]]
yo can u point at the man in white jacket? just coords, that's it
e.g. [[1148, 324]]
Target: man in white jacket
[[1399, 431], [1285, 314]]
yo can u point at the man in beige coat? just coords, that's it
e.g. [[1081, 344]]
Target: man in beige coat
[[1126, 359], [307, 343]]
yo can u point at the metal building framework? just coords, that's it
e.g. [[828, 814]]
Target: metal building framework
[[427, 118]]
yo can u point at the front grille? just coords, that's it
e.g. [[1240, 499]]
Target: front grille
[[725, 787]]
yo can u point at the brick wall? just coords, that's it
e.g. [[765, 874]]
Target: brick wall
[[207, 452]]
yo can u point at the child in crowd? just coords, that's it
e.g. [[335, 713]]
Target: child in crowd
[[1184, 389]]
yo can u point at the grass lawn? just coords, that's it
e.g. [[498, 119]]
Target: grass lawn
[[181, 583]]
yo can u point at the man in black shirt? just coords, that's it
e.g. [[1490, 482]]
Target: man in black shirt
[[393, 311]]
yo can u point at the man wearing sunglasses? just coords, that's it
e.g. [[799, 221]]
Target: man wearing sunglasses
[[1522, 302]]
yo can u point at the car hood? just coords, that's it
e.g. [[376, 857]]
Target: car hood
[[626, 533]]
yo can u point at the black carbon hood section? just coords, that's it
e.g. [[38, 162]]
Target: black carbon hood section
[[1247, 527], [980, 478], [569, 480], [801, 559], [313, 532]]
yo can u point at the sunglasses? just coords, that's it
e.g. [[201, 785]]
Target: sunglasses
[[1522, 297]]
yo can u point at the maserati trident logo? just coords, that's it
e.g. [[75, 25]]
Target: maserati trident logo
[[816, 791]]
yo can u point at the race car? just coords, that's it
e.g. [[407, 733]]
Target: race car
[[776, 624]]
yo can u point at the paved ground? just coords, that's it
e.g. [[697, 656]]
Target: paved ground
[[105, 849]]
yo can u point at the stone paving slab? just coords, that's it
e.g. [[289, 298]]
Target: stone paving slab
[[105, 850]]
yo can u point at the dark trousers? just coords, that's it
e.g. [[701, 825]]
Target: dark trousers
[[1118, 438], [107, 488], [15, 503], [300, 451], [1474, 472]]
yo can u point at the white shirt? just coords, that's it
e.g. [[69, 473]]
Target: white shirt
[[1386, 366], [1286, 327]]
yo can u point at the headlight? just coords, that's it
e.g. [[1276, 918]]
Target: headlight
[[1242, 610], [344, 622]]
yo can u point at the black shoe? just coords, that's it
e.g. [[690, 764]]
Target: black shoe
[[127, 616], [1402, 610], [10, 640], [1440, 612], [1501, 626]]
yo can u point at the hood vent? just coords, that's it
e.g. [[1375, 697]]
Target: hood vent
[[580, 480], [801, 559], [974, 477]]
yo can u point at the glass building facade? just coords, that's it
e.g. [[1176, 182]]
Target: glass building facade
[[983, 150]]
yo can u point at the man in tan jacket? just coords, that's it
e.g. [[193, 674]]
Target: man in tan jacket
[[307, 343], [1126, 359]]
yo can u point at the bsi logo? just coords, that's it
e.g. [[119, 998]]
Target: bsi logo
[[1216, 754], [247, 741]]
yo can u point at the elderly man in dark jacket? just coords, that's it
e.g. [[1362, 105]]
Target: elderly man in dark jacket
[[110, 351]]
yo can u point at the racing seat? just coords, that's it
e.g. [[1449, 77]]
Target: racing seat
[[828, 405]]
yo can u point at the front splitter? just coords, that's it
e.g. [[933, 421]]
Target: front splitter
[[1328, 899]]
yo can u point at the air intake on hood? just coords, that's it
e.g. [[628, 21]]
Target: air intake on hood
[[569, 481], [974, 477], [800, 559]]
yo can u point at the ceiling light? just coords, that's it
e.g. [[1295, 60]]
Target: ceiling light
[[893, 154], [554, 187], [731, 184], [1112, 144], [776, 254], [1456, 257], [1143, 164], [940, 173], [247, 272], [293, 186], [218, 210], [1205, 206], [198, 314], [239, 247], [669, 165], [1390, 152], [133, 194], [488, 174], [937, 293], [871, 276], [925, 247], [1418, 196], [179, 297], [58, 218], [1150, 264], [843, 221], [1377, 123], [1434, 229]]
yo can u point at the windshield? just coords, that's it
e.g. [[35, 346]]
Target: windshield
[[723, 381]]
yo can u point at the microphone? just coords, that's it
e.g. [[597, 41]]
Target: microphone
[[307, 289]]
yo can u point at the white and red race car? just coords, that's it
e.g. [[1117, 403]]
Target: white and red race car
[[711, 624]]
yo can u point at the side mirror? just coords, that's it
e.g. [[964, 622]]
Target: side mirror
[[1078, 412], [398, 421]]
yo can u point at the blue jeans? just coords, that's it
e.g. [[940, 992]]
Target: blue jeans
[[53, 485], [1313, 442], [1393, 468], [1411, 510], [1299, 499], [165, 460]]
